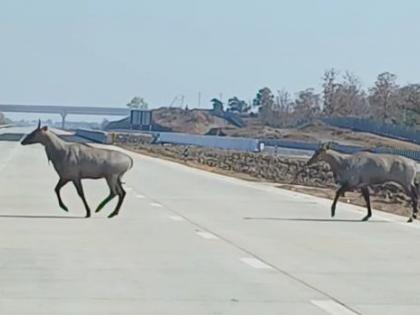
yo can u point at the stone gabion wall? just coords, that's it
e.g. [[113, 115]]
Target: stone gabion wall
[[264, 166]]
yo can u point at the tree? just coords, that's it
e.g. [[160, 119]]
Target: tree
[[330, 87], [306, 106], [345, 98], [237, 105], [284, 101], [280, 114], [409, 98], [263, 99], [350, 99], [383, 98], [217, 105], [138, 103]]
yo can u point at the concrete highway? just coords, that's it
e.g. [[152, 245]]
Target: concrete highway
[[191, 242]]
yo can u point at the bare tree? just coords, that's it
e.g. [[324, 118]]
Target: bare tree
[[306, 105], [284, 101], [383, 97], [283, 109], [329, 91], [345, 98], [350, 98], [409, 99]]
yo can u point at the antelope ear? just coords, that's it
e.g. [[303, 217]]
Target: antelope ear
[[39, 124], [45, 128]]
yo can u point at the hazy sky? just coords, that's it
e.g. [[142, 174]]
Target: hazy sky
[[98, 52]]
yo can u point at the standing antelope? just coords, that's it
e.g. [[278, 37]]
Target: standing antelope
[[364, 169], [74, 162]]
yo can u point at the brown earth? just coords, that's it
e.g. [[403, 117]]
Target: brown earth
[[284, 172], [193, 121]]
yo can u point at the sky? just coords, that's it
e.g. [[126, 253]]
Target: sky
[[98, 52]]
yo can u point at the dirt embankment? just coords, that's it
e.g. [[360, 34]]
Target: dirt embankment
[[289, 173], [188, 121], [317, 132]]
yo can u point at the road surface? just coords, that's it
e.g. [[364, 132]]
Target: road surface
[[191, 242]]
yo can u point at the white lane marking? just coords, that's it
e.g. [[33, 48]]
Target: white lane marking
[[332, 307], [155, 204], [207, 235], [140, 196], [256, 263], [176, 218]]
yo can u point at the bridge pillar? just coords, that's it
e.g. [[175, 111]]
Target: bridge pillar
[[63, 120]]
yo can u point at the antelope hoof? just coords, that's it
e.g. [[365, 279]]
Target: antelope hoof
[[410, 220], [366, 218], [64, 208], [332, 213], [87, 215], [112, 215]]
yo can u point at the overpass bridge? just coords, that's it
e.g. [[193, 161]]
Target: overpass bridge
[[63, 111]]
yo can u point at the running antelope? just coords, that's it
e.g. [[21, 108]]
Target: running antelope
[[75, 161], [364, 169]]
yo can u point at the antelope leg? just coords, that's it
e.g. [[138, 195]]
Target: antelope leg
[[105, 201], [112, 182], [121, 196], [79, 188], [60, 184], [340, 192], [365, 193]]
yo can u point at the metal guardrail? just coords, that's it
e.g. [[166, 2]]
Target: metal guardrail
[[230, 143], [94, 135]]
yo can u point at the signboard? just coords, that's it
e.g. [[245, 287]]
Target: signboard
[[141, 119]]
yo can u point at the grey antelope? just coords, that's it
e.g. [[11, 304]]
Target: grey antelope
[[364, 169], [75, 161]]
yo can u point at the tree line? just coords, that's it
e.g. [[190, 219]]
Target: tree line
[[341, 96]]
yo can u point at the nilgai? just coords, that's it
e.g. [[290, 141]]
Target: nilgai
[[76, 161], [365, 169]]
